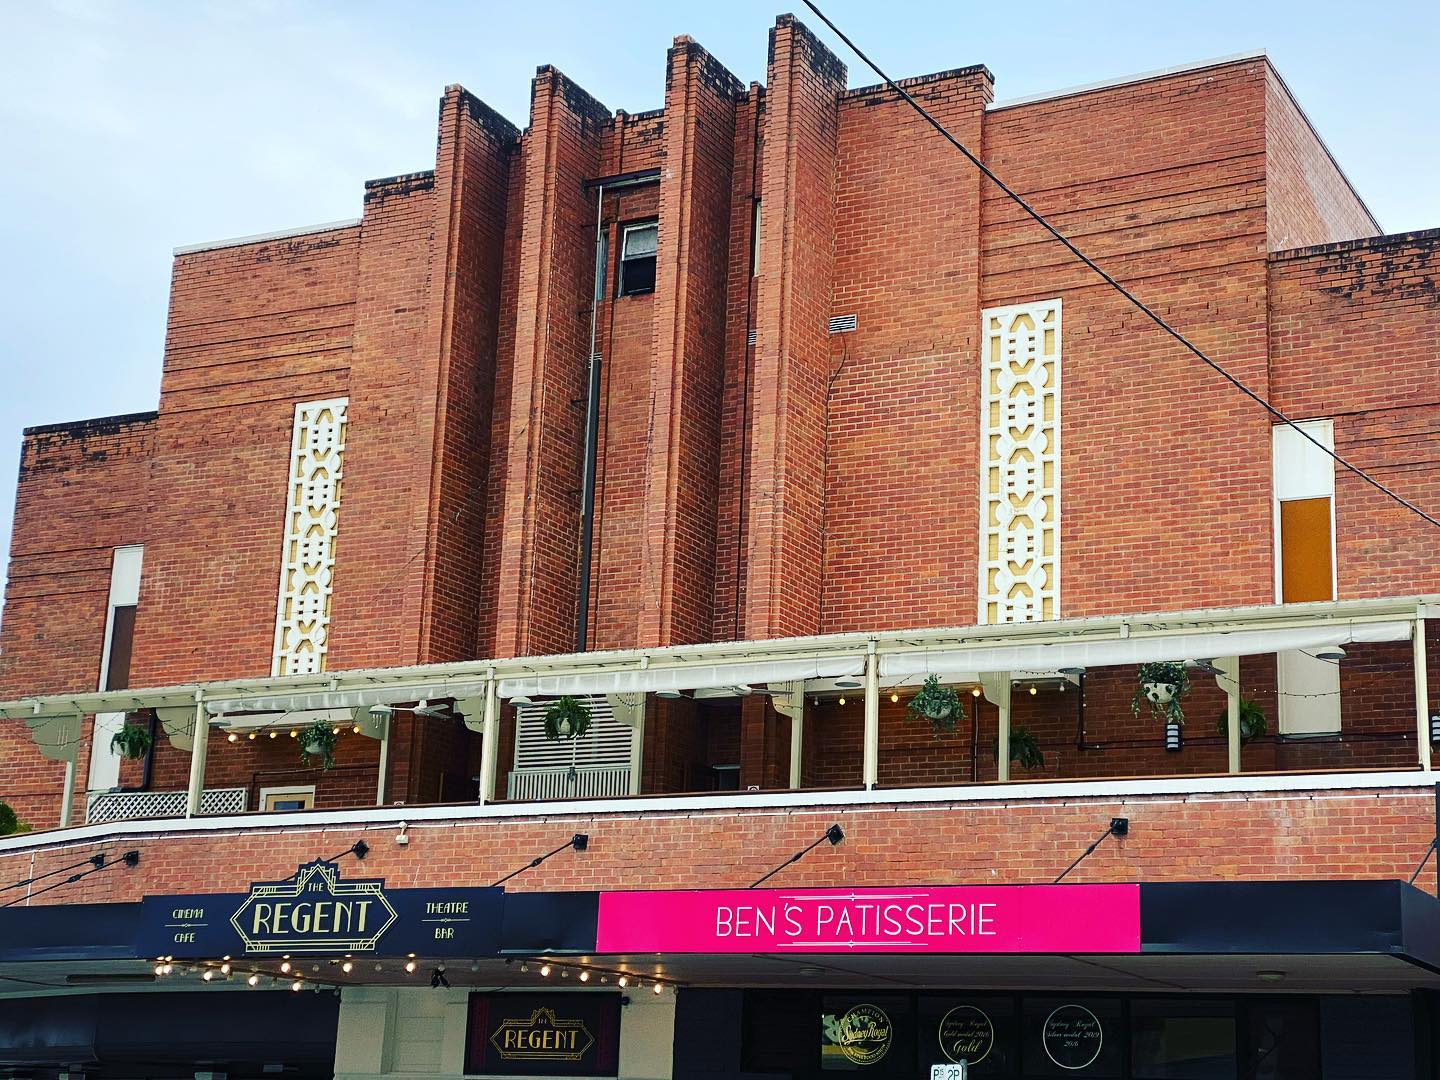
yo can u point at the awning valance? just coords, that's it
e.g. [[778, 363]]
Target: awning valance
[[969, 663], [347, 699], [649, 680]]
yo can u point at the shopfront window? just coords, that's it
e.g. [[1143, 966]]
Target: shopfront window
[[1182, 1040]]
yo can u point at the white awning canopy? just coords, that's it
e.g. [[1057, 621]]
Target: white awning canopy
[[964, 664], [345, 699], [690, 677]]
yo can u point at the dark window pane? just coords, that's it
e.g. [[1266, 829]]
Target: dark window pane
[[1182, 1040], [977, 1028], [872, 1035], [1367, 1038], [1282, 1041], [122, 643], [637, 276], [1072, 1036], [779, 1031]]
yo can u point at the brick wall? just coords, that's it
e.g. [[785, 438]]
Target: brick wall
[[1264, 836], [83, 491]]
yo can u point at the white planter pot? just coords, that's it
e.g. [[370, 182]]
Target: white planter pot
[[1160, 693]]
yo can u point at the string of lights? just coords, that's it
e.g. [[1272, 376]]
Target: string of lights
[[1114, 283]]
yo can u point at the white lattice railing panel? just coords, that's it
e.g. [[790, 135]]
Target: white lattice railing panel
[[1020, 463], [582, 782], [307, 560], [606, 744], [134, 805]]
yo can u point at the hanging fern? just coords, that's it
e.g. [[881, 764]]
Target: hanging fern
[[567, 718], [939, 706], [1252, 721], [1170, 673], [132, 741], [317, 744]]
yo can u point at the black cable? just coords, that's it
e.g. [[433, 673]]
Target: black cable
[[1424, 860], [580, 841], [130, 858], [93, 860], [1109, 280], [834, 835], [1111, 831]]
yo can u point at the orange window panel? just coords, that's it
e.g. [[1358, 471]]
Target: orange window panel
[[1305, 569]]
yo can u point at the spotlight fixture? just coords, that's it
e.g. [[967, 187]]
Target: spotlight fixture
[[669, 695], [232, 737], [1333, 653], [522, 699], [1173, 738], [834, 834], [848, 684], [438, 980]]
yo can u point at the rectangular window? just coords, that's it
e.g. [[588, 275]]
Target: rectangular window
[[1304, 524], [638, 248], [279, 799], [115, 652], [602, 261]]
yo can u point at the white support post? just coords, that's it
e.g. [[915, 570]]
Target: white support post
[[1229, 681], [996, 687], [871, 768], [1422, 696], [489, 741], [383, 769], [797, 735], [68, 798], [201, 735]]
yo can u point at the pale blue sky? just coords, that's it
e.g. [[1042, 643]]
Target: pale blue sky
[[127, 129]]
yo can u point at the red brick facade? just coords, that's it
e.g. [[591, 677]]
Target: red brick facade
[[756, 475]]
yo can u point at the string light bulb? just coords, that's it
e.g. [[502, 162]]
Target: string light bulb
[[842, 699], [974, 691], [225, 968], [659, 988], [335, 731], [294, 734], [169, 969], [232, 737], [624, 980], [159, 970], [894, 698], [297, 986], [545, 970], [409, 967], [1033, 690], [524, 969], [253, 980], [209, 974], [584, 976], [347, 967], [252, 736], [285, 967]]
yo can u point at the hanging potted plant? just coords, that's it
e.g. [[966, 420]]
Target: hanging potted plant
[[1252, 721], [132, 741], [567, 718], [318, 742], [1162, 685], [937, 705], [1024, 749]]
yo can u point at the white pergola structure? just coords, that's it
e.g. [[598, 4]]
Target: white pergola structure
[[985, 655]]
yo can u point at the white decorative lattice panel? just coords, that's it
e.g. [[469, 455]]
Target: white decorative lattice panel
[[1020, 463], [307, 561]]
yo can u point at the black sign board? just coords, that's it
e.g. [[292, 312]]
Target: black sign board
[[564, 1034], [319, 912]]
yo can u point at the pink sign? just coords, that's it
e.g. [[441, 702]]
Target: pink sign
[[923, 919]]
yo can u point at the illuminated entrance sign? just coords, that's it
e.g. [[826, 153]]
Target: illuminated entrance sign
[[920, 919], [317, 911]]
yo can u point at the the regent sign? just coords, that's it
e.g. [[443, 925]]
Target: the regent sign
[[316, 912], [942, 919], [522, 1034]]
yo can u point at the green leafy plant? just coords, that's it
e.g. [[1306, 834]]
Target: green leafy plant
[[132, 740], [1252, 721], [567, 718], [9, 823], [937, 705], [1162, 686], [1024, 749], [317, 742]]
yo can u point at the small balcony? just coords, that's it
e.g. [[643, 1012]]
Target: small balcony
[[1176, 701]]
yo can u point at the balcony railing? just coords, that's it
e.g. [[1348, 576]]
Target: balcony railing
[[134, 805], [581, 782]]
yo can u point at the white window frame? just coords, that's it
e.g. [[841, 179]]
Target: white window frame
[[127, 564], [625, 231], [1305, 479], [306, 791]]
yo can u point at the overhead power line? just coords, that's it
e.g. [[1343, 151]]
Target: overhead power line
[[1110, 280]]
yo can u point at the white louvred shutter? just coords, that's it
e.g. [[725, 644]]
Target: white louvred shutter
[[606, 744]]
